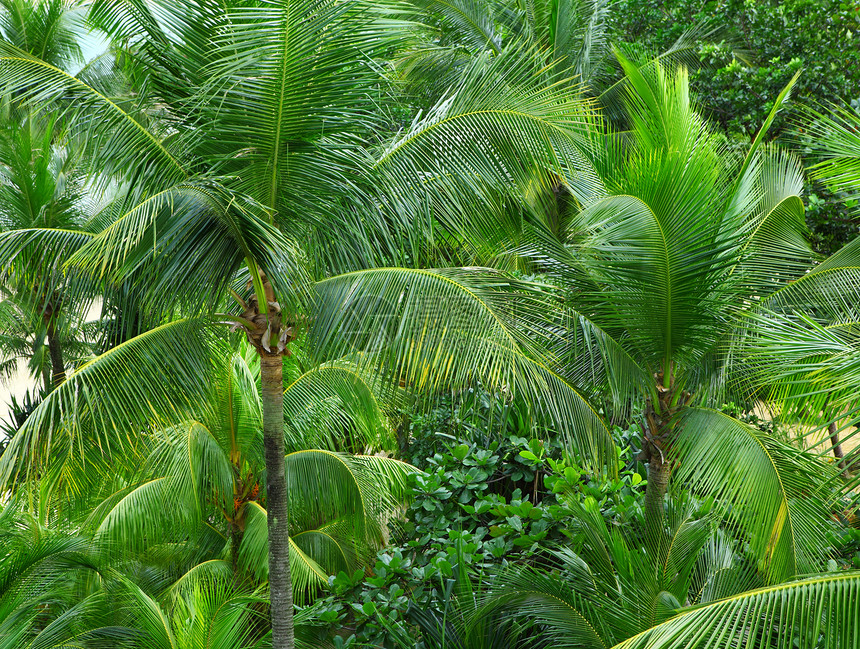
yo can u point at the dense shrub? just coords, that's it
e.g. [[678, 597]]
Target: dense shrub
[[478, 508]]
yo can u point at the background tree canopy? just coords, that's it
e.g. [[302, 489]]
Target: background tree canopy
[[747, 51]]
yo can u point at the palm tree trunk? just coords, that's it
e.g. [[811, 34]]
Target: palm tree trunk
[[834, 435], [280, 586], [58, 368], [838, 453], [655, 491], [660, 421]]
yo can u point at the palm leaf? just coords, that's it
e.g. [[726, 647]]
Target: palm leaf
[[307, 575], [282, 76], [785, 513], [194, 229], [798, 343], [776, 249], [34, 259], [453, 328], [813, 612], [834, 140], [121, 142], [591, 357], [505, 126], [467, 22], [338, 405], [157, 376]]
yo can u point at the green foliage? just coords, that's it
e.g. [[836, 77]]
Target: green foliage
[[751, 52], [762, 44], [846, 541], [250, 153], [476, 508]]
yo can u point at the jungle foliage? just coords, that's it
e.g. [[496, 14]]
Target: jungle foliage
[[423, 324]]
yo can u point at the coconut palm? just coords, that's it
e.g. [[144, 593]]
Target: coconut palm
[[660, 264], [39, 189], [211, 471], [213, 534], [237, 142]]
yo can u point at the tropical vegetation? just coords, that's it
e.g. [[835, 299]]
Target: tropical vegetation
[[425, 324]]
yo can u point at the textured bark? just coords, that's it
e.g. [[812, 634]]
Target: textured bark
[[270, 336], [660, 421], [838, 453], [655, 491], [280, 586]]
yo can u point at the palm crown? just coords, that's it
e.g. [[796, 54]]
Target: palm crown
[[662, 270]]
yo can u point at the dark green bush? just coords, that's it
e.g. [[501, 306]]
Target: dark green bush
[[477, 508]]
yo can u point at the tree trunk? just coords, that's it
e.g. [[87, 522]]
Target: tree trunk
[[280, 586], [58, 368], [837, 447], [660, 419], [655, 491]]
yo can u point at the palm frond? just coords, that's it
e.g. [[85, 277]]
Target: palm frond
[[454, 328], [307, 575], [47, 29], [574, 34], [814, 612], [160, 375], [683, 53], [776, 249], [121, 142], [33, 260], [339, 405], [798, 342], [283, 75], [834, 138], [592, 358], [141, 517], [468, 23], [194, 229], [777, 495], [604, 587], [505, 126]]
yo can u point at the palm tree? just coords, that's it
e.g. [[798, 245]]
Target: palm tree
[[211, 471], [236, 143], [57, 589], [38, 185], [39, 190], [660, 263]]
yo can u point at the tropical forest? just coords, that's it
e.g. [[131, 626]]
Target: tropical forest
[[430, 324]]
